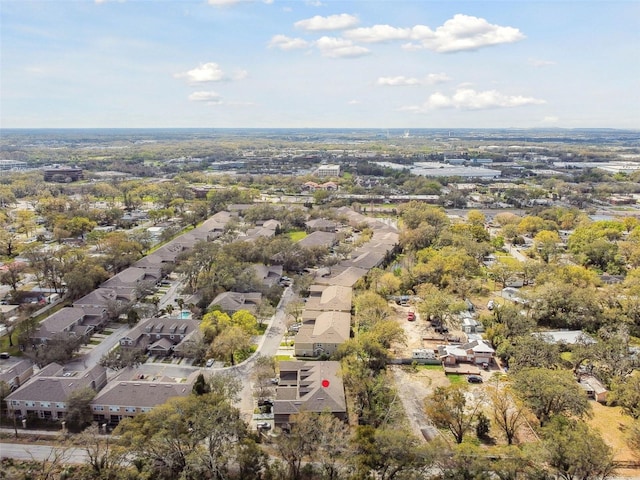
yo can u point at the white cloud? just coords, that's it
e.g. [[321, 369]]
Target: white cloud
[[287, 43], [315, 3], [399, 81], [354, 102], [470, 99], [540, 63], [210, 98], [402, 81], [435, 78], [339, 48], [378, 33], [207, 72], [462, 32], [332, 22]]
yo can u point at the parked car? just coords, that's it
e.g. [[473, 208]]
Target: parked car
[[4, 355], [275, 380], [441, 329], [474, 379], [491, 305], [263, 426], [265, 402], [210, 362], [411, 316]]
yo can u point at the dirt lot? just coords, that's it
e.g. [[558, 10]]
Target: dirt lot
[[414, 385], [415, 332]]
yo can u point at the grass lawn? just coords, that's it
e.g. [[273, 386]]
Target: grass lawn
[[106, 331], [612, 425], [566, 356], [297, 235], [430, 367], [456, 378], [283, 358], [4, 346], [94, 342]]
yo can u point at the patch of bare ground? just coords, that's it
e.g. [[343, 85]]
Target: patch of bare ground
[[412, 389]]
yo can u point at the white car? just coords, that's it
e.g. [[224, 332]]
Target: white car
[[210, 363]]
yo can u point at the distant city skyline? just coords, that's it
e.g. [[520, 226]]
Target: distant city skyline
[[319, 64]]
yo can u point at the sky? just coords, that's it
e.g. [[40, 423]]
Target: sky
[[319, 64]]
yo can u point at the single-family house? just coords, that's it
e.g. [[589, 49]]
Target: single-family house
[[593, 388], [568, 337], [231, 302], [321, 224], [477, 351], [268, 275], [470, 324], [319, 239], [308, 386]]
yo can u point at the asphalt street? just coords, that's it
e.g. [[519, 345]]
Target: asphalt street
[[22, 451]]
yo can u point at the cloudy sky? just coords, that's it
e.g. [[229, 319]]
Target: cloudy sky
[[319, 63]]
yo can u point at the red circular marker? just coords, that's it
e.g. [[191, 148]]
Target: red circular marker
[[325, 383]]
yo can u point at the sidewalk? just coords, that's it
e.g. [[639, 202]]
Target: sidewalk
[[22, 432]]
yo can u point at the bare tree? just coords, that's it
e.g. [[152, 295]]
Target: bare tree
[[508, 412]]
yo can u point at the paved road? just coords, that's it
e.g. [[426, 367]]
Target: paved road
[[268, 347], [93, 356], [23, 451]]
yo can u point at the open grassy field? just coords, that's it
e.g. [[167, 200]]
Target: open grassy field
[[297, 235], [613, 425]]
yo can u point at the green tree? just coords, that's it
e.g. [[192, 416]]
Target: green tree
[[79, 413], [390, 453], [450, 408], [12, 275], [626, 393], [104, 455], [229, 342], [507, 411], [551, 392], [527, 351], [388, 284], [60, 348], [200, 386], [120, 358], [79, 226], [547, 243], [504, 271], [245, 320], [299, 443], [196, 436], [438, 306], [575, 452]]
